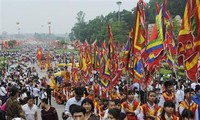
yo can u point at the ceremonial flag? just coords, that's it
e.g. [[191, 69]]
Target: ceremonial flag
[[140, 31], [106, 73], [73, 63], [197, 17], [107, 56], [154, 62], [170, 59], [127, 50], [104, 83], [39, 53], [138, 69], [187, 43], [96, 58], [110, 43], [153, 53], [155, 45], [169, 43], [97, 61], [191, 67], [185, 37], [84, 68], [138, 44], [80, 58], [115, 80]]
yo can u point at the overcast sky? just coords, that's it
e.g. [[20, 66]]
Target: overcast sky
[[33, 15]]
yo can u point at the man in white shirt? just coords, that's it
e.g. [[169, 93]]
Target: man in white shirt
[[3, 92], [77, 100], [36, 94]]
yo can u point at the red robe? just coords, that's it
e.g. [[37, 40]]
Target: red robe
[[168, 97], [145, 109], [174, 117], [96, 89], [135, 105], [193, 107]]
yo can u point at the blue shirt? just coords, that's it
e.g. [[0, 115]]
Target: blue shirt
[[197, 101]]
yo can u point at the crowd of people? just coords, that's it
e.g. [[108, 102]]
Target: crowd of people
[[23, 93], [171, 104]]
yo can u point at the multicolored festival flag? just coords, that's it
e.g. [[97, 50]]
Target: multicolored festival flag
[[155, 44], [140, 31], [110, 43], [154, 49], [138, 44], [187, 47], [138, 69], [127, 50]]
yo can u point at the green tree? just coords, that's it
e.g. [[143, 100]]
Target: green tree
[[11, 43], [174, 7], [96, 29], [79, 29]]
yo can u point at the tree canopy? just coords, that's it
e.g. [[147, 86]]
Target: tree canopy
[[96, 29]]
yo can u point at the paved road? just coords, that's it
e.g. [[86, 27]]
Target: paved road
[[59, 108]]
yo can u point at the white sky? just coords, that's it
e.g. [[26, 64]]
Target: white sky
[[34, 15]]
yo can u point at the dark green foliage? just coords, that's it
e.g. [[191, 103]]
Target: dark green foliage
[[96, 29]]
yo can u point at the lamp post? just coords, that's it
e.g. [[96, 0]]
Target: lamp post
[[119, 4], [18, 28], [49, 27]]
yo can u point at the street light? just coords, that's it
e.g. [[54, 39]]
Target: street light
[[119, 4], [18, 29], [49, 27]]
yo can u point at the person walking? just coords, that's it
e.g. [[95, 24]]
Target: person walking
[[3, 92], [36, 94], [48, 112], [30, 109], [13, 107], [48, 91]]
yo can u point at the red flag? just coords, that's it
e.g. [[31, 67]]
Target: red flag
[[191, 67], [110, 43], [185, 38], [39, 53], [197, 19], [187, 43]]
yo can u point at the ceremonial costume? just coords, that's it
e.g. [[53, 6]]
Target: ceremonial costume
[[133, 106], [167, 97], [193, 107], [172, 117], [151, 110], [114, 96], [96, 89]]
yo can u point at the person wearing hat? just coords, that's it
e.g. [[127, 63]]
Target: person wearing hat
[[13, 106]]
